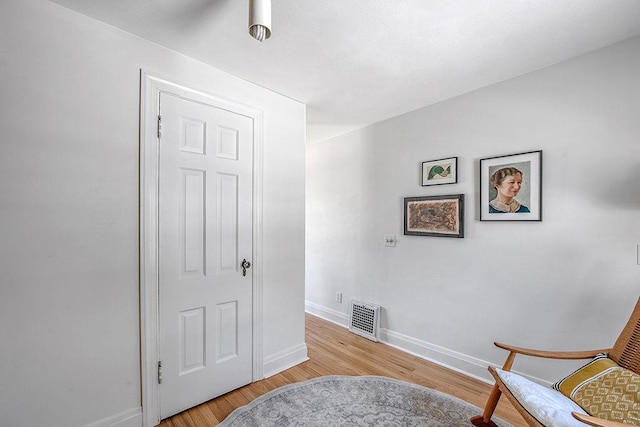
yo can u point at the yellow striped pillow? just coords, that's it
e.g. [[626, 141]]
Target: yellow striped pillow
[[598, 366]]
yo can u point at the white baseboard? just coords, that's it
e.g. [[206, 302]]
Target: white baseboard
[[451, 359], [328, 314], [459, 362], [285, 359], [130, 418]]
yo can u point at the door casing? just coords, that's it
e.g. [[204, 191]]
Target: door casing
[[150, 88]]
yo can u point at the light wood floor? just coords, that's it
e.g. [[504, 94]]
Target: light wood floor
[[333, 350]]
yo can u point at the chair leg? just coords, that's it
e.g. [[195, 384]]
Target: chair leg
[[484, 420]]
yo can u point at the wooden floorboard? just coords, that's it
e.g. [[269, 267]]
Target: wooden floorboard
[[333, 350]]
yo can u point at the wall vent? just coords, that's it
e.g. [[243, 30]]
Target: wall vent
[[364, 319]]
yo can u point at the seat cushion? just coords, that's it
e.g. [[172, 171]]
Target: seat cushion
[[550, 407]]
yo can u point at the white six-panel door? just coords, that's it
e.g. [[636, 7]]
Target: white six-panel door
[[205, 232]]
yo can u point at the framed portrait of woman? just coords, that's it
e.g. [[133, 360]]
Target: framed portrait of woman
[[511, 187]]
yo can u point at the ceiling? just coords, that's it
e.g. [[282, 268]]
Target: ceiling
[[357, 62]]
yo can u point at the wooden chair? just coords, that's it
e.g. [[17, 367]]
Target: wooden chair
[[625, 352]]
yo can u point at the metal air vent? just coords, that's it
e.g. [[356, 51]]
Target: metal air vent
[[364, 319]]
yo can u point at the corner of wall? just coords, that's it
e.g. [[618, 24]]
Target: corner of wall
[[284, 360]]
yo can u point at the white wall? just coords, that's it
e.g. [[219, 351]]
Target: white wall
[[568, 282], [69, 115]]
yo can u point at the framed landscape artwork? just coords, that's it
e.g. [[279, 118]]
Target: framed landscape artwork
[[442, 171], [511, 187], [439, 216]]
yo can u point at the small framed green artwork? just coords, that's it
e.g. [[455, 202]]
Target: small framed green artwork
[[442, 171]]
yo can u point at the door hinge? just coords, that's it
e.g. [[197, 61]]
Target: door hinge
[[159, 372], [159, 126]]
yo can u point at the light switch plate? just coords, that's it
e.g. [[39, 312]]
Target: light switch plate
[[390, 240]]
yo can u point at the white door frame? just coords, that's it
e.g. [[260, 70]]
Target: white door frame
[[150, 89]]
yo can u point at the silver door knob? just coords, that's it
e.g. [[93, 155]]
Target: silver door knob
[[245, 264]]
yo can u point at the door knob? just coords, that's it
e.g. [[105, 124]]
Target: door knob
[[245, 264]]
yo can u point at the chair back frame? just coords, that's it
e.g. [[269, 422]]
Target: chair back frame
[[626, 351]]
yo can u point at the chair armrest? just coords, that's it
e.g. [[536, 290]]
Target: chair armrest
[[597, 422], [552, 354]]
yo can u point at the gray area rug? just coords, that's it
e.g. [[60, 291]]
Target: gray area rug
[[354, 401]]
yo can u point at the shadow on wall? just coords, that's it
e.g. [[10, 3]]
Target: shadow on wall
[[618, 189]]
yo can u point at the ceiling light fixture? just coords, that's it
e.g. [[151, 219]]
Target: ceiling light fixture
[[260, 19]]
